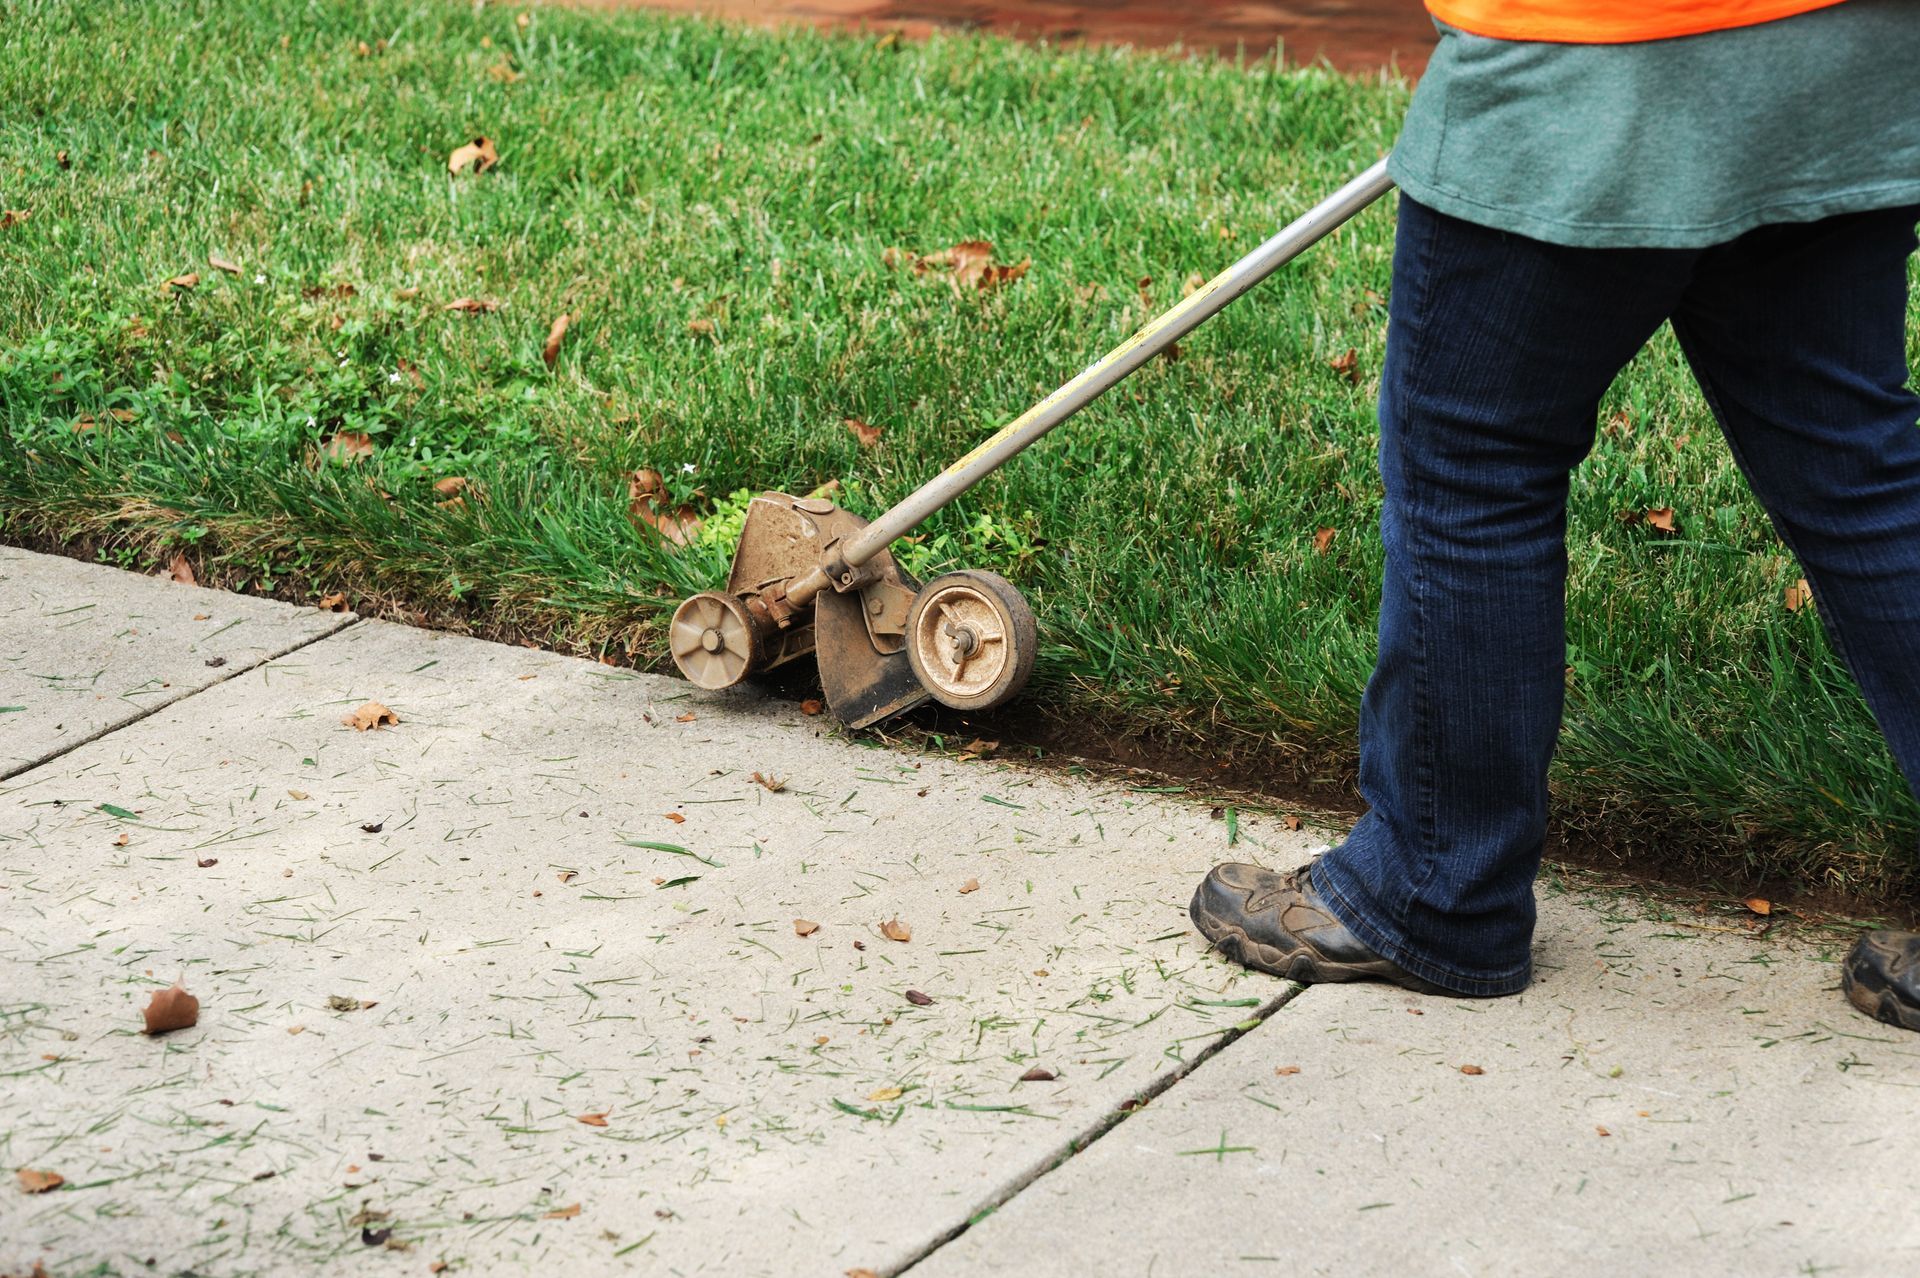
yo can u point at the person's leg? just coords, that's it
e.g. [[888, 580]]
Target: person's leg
[[1498, 351], [1798, 337]]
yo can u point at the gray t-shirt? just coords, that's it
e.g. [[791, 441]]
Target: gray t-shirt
[[1671, 143]]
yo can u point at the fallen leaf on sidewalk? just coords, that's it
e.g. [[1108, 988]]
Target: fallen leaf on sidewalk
[[594, 1120], [1285, 1071], [862, 1273], [884, 1094], [341, 1003], [688, 717], [676, 818], [1759, 905], [812, 705], [1471, 1069], [918, 999], [335, 602], [171, 1009], [1292, 822], [38, 1182], [551, 351], [1600, 1131], [805, 927], [773, 785], [207, 862], [181, 571], [895, 930], [971, 885], [479, 153], [371, 715], [1038, 1074], [563, 1213]]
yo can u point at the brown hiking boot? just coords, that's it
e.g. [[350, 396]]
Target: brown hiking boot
[[1277, 923], [1881, 977]]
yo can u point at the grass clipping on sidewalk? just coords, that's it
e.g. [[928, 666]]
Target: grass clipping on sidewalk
[[281, 288]]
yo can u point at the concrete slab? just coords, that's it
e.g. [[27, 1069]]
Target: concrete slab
[[556, 892], [85, 648], [1666, 1099]]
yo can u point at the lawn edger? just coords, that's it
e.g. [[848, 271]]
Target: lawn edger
[[809, 577]]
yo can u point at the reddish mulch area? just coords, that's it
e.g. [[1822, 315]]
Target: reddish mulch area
[[1354, 35]]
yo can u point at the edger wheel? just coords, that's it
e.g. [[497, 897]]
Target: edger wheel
[[971, 640], [713, 640]]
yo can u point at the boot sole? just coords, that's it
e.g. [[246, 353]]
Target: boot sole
[[1299, 964], [1865, 987]]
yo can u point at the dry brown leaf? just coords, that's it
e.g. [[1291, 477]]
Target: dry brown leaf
[[479, 153], [1285, 1071], [1348, 365], [219, 263], [1600, 1131], [1799, 595], [38, 1182], [1038, 1074], [122, 841], [563, 1213], [648, 503], [472, 305], [551, 351], [1292, 822], [171, 1009], [1323, 538], [296, 1029], [13, 217], [348, 446], [301, 795], [335, 602], [868, 435], [503, 72], [178, 569], [978, 748], [406, 295], [182, 282], [1471, 1069], [369, 716], [1661, 517], [862, 1273], [805, 927], [676, 818], [885, 1094], [812, 705], [688, 717], [1759, 905], [773, 785], [895, 930], [971, 885], [918, 999], [207, 862], [594, 1120]]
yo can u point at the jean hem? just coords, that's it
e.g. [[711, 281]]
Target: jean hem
[[1390, 947]]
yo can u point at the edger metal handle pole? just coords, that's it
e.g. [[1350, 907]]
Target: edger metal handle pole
[[1206, 302]]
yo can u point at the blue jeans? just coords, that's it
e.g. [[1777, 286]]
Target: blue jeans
[[1499, 349]]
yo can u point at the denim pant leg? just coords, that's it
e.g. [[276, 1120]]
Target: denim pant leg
[[1798, 336], [1498, 351]]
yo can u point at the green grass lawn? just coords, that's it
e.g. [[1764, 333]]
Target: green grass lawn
[[713, 208]]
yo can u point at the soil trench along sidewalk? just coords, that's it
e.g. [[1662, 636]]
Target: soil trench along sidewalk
[[557, 963]]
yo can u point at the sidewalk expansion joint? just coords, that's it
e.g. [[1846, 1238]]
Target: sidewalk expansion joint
[[345, 622], [1101, 1126]]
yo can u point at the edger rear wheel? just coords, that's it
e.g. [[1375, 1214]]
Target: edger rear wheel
[[971, 640], [713, 640]]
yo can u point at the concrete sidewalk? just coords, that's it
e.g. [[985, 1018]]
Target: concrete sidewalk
[[515, 985]]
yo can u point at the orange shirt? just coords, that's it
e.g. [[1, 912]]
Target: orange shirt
[[1613, 22]]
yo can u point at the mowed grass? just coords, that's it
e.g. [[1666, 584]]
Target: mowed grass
[[713, 207]]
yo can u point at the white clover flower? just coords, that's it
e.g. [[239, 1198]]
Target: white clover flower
[[687, 468], [393, 379], [260, 277]]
